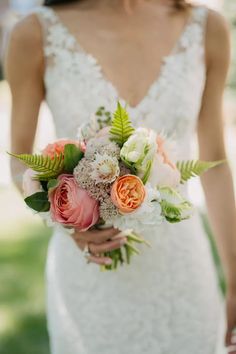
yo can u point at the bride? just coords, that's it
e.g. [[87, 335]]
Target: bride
[[169, 61]]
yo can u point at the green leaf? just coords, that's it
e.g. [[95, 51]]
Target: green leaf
[[147, 172], [46, 167], [193, 168], [44, 185], [121, 127], [38, 201], [72, 156], [175, 207], [175, 213], [52, 183]]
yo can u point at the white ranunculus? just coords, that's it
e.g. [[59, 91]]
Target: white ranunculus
[[139, 150], [105, 168], [148, 215], [163, 174]]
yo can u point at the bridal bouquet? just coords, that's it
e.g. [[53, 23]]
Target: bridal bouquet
[[113, 174]]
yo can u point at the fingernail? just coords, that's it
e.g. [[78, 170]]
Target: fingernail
[[108, 261]]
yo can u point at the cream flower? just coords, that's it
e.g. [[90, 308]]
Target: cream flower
[[147, 216], [139, 150], [164, 171], [105, 169]]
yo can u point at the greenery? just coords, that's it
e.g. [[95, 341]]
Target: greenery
[[72, 155], [38, 201], [174, 207], [193, 168], [46, 167], [121, 128], [22, 309]]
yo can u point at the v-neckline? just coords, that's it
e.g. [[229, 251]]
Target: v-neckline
[[174, 50]]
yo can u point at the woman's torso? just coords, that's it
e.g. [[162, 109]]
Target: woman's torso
[[77, 84], [173, 283]]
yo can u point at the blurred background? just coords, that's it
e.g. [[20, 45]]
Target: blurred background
[[23, 237]]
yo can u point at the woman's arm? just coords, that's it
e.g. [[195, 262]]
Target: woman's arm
[[217, 183], [24, 67], [24, 72]]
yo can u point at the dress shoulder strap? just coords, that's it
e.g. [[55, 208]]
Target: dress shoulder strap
[[200, 14], [194, 34], [55, 36]]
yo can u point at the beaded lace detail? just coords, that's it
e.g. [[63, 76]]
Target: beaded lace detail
[[167, 301], [71, 72]]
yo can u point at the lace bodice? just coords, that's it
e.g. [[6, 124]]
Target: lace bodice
[[76, 85]]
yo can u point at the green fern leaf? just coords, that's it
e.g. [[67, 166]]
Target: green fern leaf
[[44, 165], [121, 127], [193, 168]]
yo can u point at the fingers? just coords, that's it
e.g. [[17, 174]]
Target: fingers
[[92, 258], [100, 260], [230, 337], [231, 341], [103, 235], [96, 249], [107, 246], [96, 236]]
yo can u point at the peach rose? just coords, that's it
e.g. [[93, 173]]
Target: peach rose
[[164, 171], [30, 186], [128, 193], [72, 205], [162, 151], [58, 147]]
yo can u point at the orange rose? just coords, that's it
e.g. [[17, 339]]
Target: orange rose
[[128, 193]]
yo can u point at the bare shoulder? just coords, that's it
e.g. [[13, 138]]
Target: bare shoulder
[[26, 43], [217, 38]]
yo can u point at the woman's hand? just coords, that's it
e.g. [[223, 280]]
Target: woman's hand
[[231, 323], [99, 241]]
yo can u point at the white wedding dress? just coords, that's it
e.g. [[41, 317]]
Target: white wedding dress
[[167, 301]]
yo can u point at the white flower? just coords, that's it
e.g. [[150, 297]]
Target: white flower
[[105, 168], [139, 150], [148, 215], [162, 174], [88, 130], [101, 145], [174, 206]]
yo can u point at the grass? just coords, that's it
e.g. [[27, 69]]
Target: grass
[[22, 307]]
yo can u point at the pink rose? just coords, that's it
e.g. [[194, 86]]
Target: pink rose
[[58, 147], [72, 205], [30, 186], [164, 171]]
